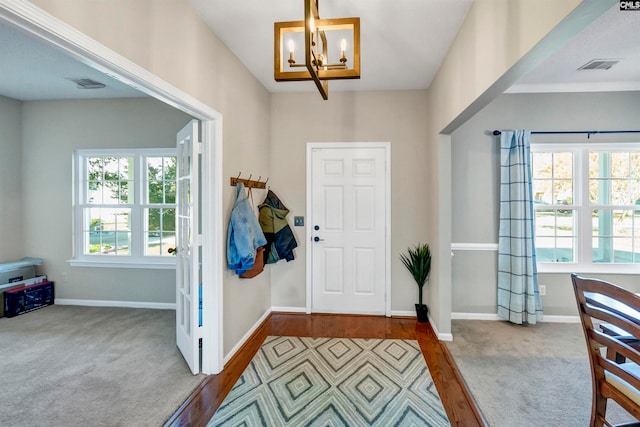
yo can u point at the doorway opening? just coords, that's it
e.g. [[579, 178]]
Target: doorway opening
[[76, 45]]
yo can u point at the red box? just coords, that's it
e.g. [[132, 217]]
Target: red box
[[28, 298]]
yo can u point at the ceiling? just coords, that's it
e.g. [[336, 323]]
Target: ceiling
[[32, 70], [613, 35], [403, 43]]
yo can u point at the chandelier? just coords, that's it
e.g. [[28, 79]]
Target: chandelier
[[329, 48]]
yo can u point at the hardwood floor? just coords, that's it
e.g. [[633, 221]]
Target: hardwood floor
[[461, 410]]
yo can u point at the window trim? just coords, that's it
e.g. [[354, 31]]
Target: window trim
[[583, 208], [80, 259]]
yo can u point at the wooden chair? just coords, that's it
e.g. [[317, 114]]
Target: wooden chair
[[600, 302]]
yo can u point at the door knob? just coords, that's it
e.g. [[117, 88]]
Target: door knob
[[317, 239]]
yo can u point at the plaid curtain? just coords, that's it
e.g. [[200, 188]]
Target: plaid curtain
[[518, 294]]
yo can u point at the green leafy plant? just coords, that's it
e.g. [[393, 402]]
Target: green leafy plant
[[418, 262]]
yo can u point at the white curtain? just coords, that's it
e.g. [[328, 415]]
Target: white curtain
[[518, 294]]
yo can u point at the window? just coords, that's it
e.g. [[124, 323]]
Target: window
[[125, 207], [587, 207]]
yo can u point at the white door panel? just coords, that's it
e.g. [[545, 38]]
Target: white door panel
[[348, 230], [188, 250]]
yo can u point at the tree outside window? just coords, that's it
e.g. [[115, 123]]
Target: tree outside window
[[587, 203], [126, 203]]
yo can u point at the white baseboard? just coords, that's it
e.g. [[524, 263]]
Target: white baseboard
[[246, 337], [474, 316], [395, 313], [442, 336], [124, 304], [403, 313], [548, 318], [288, 310], [561, 319]]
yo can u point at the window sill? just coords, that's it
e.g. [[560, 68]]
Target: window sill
[[589, 269], [149, 263]]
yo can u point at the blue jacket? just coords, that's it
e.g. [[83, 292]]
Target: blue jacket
[[245, 234]]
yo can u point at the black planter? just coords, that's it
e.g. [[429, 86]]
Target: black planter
[[422, 311]]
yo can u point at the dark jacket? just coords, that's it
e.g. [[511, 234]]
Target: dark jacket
[[280, 239]]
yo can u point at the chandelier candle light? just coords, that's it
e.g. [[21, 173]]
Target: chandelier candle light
[[321, 36]]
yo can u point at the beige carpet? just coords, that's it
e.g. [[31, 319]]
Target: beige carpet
[[527, 376], [88, 366]]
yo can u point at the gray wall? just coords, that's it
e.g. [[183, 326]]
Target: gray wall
[[390, 116], [11, 243], [475, 184], [51, 130]]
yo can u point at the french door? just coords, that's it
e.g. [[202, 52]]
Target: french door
[[188, 246]]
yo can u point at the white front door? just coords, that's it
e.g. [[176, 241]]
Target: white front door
[[188, 246], [348, 228]]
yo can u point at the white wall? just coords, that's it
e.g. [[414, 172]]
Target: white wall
[[51, 130], [391, 116], [11, 243], [476, 177]]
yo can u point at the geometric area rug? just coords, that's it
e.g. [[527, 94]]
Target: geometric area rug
[[301, 381]]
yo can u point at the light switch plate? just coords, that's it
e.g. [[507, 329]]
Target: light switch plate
[[298, 221]]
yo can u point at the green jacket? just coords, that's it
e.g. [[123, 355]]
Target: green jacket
[[280, 239]]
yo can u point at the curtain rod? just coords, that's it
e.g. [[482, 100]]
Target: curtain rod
[[588, 132]]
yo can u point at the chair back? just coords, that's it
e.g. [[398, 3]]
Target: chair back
[[610, 317]]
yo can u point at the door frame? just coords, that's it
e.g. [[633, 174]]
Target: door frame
[[309, 228], [77, 45]]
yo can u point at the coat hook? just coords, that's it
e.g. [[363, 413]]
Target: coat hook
[[259, 178], [239, 173], [250, 175]]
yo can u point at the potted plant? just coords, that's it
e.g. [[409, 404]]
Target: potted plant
[[418, 262]]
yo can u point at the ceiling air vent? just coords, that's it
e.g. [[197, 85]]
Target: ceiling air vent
[[599, 64], [87, 84]]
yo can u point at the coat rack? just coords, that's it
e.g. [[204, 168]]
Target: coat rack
[[249, 183]]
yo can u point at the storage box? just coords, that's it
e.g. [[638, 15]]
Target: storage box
[[2, 291], [21, 284], [28, 298], [17, 275], [17, 271]]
